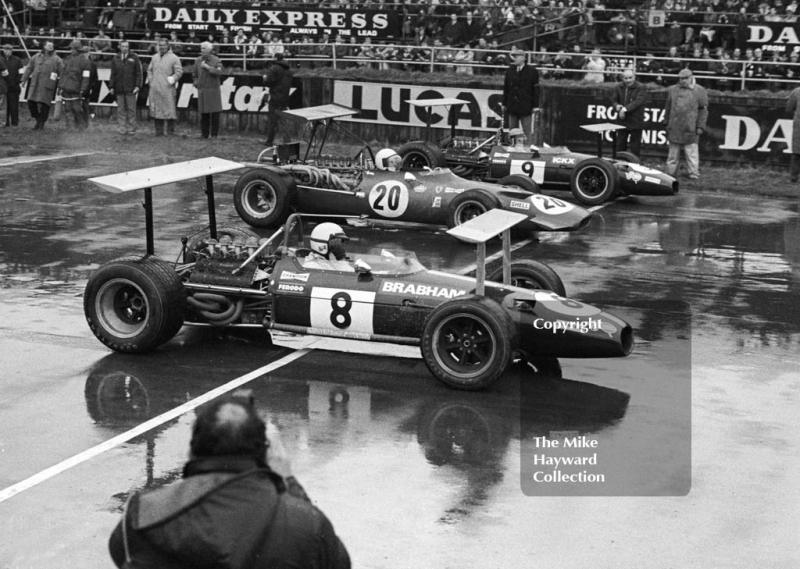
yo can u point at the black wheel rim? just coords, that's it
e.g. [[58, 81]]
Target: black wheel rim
[[416, 160], [592, 181], [465, 345], [468, 210]]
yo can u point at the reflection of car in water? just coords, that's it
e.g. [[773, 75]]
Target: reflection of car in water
[[467, 432]]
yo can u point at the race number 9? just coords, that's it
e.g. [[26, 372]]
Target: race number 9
[[389, 198], [533, 169]]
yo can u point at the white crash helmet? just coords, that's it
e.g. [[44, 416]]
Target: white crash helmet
[[322, 234], [382, 158]]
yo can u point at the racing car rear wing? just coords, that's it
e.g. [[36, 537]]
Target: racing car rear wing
[[443, 101], [148, 178], [479, 230]]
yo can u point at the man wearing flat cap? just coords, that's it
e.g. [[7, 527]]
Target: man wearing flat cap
[[686, 112], [11, 76], [74, 85]]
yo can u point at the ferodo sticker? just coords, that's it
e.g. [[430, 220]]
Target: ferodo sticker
[[286, 275], [551, 206], [285, 287], [389, 198], [395, 287]]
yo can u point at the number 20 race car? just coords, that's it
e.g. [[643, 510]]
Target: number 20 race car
[[591, 180], [468, 329], [265, 194]]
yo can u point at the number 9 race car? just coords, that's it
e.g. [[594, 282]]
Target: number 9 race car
[[265, 194], [591, 180], [469, 330]]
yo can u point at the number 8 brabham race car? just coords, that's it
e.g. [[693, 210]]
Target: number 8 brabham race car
[[469, 330]]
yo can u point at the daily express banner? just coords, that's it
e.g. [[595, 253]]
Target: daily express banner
[[769, 36], [210, 17]]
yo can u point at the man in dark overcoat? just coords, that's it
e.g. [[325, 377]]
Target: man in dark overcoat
[[521, 93]]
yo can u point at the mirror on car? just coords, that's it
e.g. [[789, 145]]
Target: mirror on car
[[409, 177], [361, 267]]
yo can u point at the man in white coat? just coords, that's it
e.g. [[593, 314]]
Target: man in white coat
[[163, 74]]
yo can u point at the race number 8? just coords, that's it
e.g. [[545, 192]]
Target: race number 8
[[340, 311], [389, 198]]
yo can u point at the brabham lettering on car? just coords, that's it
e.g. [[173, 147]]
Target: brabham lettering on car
[[421, 289], [342, 309], [286, 275], [284, 287], [389, 198], [520, 205]]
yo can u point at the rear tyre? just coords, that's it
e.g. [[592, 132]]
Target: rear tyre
[[468, 342], [134, 304], [418, 155], [263, 198], [469, 205], [520, 181], [198, 242], [594, 181], [533, 275]]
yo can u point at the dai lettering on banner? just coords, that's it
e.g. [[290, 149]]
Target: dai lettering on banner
[[209, 17], [782, 37]]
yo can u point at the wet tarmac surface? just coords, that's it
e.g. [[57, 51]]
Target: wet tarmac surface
[[696, 430]]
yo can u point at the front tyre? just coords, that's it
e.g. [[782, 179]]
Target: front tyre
[[419, 155], [533, 275], [262, 198], [594, 181], [469, 205], [134, 304], [521, 182], [468, 342]]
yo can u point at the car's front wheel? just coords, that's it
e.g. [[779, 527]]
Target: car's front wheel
[[262, 198], [594, 181], [468, 342], [134, 304]]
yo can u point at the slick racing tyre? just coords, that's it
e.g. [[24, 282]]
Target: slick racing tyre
[[263, 198], [594, 181], [468, 342], [533, 275], [198, 242], [629, 157], [520, 181], [134, 304], [418, 155], [468, 205]]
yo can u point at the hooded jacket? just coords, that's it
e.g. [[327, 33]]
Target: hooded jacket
[[231, 513]]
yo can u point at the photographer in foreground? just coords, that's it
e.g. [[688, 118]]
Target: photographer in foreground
[[237, 505]]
